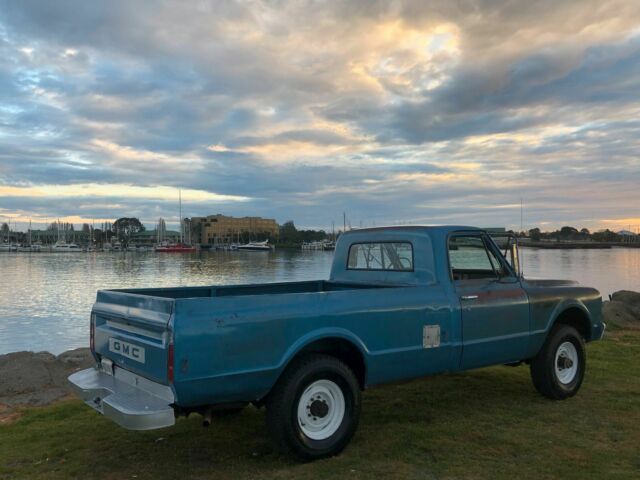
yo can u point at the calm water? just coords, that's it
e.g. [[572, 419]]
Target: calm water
[[45, 298]]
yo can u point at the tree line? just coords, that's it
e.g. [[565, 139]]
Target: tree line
[[568, 233], [291, 236]]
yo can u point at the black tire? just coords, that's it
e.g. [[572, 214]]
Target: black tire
[[283, 402], [544, 374]]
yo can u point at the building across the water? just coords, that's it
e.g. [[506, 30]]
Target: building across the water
[[221, 229], [151, 237]]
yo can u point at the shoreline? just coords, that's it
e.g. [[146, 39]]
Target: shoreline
[[578, 245]]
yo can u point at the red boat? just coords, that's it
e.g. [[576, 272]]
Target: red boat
[[175, 247]]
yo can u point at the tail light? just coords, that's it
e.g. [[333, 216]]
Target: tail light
[[170, 363], [92, 334]]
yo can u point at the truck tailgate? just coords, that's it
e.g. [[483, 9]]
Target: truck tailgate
[[133, 331]]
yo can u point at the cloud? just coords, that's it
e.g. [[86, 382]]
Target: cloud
[[392, 111], [92, 190]]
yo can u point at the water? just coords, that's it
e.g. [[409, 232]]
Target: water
[[45, 298], [608, 270]]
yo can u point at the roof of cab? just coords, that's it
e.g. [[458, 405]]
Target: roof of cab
[[440, 228]]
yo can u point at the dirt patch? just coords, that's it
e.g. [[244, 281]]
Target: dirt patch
[[8, 415], [36, 379], [623, 310]]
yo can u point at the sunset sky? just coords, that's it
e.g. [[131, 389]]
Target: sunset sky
[[395, 112]]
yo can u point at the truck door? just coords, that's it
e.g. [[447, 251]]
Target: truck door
[[494, 307]]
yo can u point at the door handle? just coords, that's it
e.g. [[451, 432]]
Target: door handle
[[468, 297]]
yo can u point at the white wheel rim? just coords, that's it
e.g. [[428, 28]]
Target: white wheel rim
[[566, 363], [321, 409]]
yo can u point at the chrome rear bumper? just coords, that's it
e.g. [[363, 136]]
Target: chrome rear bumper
[[133, 402]]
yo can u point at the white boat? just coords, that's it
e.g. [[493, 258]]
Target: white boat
[[63, 247], [312, 245], [319, 245], [113, 247], [5, 247], [255, 246], [329, 245], [29, 246]]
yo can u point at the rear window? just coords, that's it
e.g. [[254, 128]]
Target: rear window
[[391, 256]]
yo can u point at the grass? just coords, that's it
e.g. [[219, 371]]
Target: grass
[[487, 423]]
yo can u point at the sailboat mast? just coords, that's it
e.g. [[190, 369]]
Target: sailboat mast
[[180, 209]]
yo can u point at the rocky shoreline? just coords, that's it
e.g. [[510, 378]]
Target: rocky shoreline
[[37, 379]]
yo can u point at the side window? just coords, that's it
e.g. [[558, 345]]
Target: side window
[[469, 258], [391, 256]]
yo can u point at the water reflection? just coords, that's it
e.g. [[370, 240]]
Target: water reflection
[[608, 270], [45, 298]]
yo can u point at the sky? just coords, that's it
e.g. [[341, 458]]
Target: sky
[[439, 112]]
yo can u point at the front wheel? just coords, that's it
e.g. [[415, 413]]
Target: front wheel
[[558, 369], [314, 409]]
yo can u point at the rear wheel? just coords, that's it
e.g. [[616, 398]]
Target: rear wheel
[[558, 369], [314, 409]]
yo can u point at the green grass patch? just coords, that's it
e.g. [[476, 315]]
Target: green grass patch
[[488, 423]]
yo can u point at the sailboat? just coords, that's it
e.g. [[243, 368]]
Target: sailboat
[[175, 248], [30, 247], [179, 247], [61, 246]]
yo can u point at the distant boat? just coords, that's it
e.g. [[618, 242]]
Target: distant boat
[[255, 246], [5, 247], [114, 247], [63, 247], [329, 246], [312, 246], [175, 248], [179, 247], [319, 245], [30, 246]]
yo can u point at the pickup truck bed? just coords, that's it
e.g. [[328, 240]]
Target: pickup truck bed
[[313, 286]]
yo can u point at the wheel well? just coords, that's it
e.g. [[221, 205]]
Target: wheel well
[[341, 349], [576, 318]]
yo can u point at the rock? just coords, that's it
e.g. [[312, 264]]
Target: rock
[[30, 378], [78, 358], [630, 299], [22, 371], [623, 311]]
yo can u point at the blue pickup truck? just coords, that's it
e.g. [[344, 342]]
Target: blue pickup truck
[[400, 303]]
